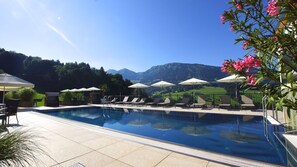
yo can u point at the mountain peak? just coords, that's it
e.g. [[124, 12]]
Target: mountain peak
[[172, 72]]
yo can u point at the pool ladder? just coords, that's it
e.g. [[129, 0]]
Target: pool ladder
[[265, 115], [277, 133]]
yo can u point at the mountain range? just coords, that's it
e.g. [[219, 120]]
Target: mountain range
[[172, 72]]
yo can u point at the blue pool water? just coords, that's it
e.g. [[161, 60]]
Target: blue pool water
[[235, 135]]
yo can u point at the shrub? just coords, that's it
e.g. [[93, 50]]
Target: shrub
[[26, 94], [12, 95], [72, 98]]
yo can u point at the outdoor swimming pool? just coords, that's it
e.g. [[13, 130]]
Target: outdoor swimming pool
[[241, 136]]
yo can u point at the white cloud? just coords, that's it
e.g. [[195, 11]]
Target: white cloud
[[60, 33]]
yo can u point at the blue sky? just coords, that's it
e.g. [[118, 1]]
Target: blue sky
[[115, 34]]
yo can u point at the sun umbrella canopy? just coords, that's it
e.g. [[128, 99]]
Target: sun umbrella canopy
[[232, 78], [73, 90], [193, 81], [65, 90], [162, 84], [93, 89], [138, 86], [83, 90], [10, 83]]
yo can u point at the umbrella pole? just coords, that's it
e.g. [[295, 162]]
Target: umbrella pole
[[3, 95], [192, 93], [236, 91]]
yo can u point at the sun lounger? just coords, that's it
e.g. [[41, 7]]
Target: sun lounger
[[132, 101], [166, 102], [225, 102], [247, 102], [140, 102], [200, 102], [185, 102], [154, 102], [109, 101], [124, 100]]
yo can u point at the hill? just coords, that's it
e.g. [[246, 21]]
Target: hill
[[51, 75], [172, 72], [126, 73]]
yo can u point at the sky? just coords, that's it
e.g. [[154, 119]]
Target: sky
[[116, 34]]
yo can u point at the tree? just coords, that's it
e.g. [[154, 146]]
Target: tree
[[267, 32]]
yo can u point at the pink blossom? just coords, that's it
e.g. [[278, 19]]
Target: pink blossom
[[249, 61], [231, 28], [272, 9], [223, 69], [238, 6], [248, 69], [251, 79], [239, 65], [223, 19], [257, 63], [245, 44]]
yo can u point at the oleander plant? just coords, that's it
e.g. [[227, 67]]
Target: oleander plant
[[267, 31]]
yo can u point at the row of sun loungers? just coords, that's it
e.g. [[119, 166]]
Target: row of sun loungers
[[185, 102]]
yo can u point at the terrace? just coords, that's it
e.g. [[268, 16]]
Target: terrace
[[70, 142]]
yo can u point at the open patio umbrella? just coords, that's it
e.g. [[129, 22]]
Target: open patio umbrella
[[74, 90], [193, 81], [138, 86], [65, 90], [9, 83], [93, 89], [163, 84], [83, 90], [232, 79]]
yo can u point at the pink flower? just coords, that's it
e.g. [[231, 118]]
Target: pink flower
[[223, 19], [239, 65], [245, 44], [257, 63], [272, 9], [231, 28], [249, 61], [248, 69], [223, 69], [238, 6], [251, 79]]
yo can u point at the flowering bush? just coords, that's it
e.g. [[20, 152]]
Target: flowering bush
[[267, 31]]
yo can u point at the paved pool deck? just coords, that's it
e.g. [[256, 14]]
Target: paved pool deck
[[68, 142]]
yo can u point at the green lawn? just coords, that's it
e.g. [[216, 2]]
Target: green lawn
[[39, 96], [212, 95]]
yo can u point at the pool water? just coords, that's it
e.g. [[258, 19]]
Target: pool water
[[235, 135]]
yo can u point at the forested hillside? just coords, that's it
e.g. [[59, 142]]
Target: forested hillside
[[51, 75]]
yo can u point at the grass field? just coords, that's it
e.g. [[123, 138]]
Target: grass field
[[212, 95], [39, 96]]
